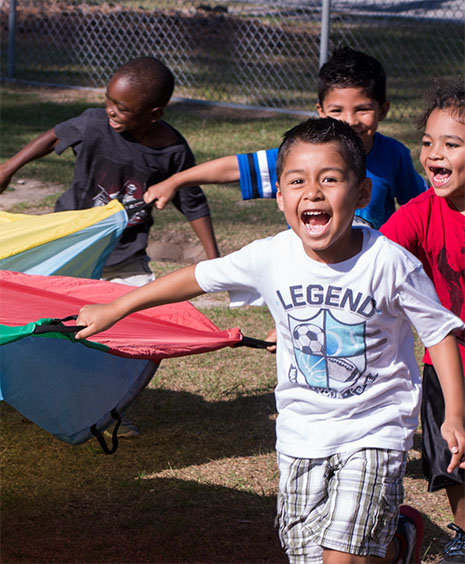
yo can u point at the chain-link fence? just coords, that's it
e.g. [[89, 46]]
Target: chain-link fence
[[259, 53]]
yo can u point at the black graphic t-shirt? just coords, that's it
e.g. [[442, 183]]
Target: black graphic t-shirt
[[111, 165]]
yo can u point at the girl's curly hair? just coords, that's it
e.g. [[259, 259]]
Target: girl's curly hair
[[444, 96]]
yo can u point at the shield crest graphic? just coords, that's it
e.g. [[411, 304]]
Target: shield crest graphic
[[329, 353]]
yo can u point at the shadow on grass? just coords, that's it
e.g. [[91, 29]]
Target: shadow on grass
[[164, 520], [434, 541], [414, 468], [189, 430], [74, 504], [185, 491]]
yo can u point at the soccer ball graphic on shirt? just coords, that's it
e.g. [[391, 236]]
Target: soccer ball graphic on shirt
[[329, 354], [309, 339]]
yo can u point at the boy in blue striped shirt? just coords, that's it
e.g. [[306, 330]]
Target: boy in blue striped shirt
[[351, 88]]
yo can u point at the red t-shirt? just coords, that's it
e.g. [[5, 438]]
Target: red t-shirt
[[434, 231]]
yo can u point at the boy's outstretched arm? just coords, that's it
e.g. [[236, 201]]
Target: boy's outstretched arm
[[448, 365], [218, 171], [177, 286], [38, 147]]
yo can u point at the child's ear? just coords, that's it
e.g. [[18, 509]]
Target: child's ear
[[383, 111], [364, 193], [279, 197], [319, 109], [156, 114]]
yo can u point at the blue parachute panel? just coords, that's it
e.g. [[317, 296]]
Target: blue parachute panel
[[66, 388]]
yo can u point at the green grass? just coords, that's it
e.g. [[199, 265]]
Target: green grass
[[200, 483]]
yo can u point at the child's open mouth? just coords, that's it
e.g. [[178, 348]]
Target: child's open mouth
[[440, 175], [114, 124], [315, 221]]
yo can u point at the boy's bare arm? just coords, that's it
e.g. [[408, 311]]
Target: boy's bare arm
[[448, 365], [38, 147], [218, 171], [177, 286], [204, 229]]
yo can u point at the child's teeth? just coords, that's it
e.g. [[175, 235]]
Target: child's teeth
[[315, 219], [441, 175]]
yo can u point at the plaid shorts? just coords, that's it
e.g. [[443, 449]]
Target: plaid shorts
[[347, 502]]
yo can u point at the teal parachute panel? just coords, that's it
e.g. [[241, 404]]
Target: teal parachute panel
[[70, 243]]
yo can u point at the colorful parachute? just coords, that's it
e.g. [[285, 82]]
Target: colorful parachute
[[75, 389], [71, 243]]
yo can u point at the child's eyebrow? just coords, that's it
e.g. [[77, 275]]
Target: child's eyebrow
[[367, 104], [293, 171], [322, 171], [456, 137], [445, 136], [332, 169], [122, 104]]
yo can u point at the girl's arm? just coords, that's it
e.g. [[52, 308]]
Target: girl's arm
[[448, 365], [177, 286], [218, 171]]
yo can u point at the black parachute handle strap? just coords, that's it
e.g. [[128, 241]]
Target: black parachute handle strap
[[114, 436], [135, 206], [254, 343], [56, 326]]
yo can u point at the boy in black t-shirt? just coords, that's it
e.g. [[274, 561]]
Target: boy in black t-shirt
[[120, 151]]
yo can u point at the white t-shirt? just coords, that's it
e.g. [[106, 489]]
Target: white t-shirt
[[347, 375]]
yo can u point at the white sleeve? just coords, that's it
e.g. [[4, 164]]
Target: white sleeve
[[235, 273], [420, 303]]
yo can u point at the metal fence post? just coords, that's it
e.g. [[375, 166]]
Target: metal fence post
[[324, 36], [11, 68]]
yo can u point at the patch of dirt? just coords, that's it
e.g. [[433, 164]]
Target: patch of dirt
[[59, 94], [181, 251], [229, 111], [183, 248], [28, 191]]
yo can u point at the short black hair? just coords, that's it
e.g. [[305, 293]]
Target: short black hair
[[150, 76], [348, 68], [444, 96], [325, 130]]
